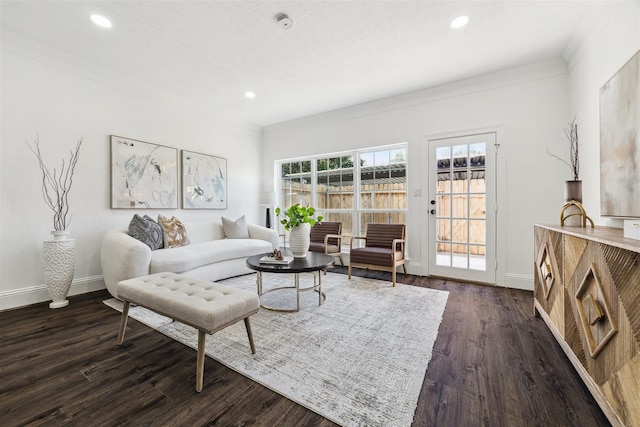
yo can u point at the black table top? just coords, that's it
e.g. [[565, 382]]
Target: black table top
[[314, 261]]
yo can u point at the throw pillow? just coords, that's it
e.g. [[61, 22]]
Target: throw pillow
[[147, 231], [175, 233], [235, 229]]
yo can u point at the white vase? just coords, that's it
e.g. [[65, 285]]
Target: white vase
[[60, 235], [58, 262], [299, 240]]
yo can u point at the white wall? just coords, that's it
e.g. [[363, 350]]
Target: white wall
[[614, 40], [62, 100], [527, 105]]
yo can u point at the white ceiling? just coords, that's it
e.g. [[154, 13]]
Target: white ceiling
[[337, 54]]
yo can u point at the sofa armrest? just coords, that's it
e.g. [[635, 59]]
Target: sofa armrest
[[263, 233], [123, 257]]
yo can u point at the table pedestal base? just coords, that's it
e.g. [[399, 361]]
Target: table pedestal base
[[317, 287]]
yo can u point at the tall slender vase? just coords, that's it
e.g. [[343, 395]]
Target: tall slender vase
[[299, 240], [573, 192], [58, 261]]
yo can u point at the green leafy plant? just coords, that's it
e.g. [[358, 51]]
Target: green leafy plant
[[297, 215]]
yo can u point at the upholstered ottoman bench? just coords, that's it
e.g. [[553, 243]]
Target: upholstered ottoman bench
[[207, 306]]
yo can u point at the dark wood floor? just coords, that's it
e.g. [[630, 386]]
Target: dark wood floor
[[494, 364]]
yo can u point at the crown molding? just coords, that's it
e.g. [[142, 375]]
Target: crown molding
[[586, 32], [490, 81], [48, 56]]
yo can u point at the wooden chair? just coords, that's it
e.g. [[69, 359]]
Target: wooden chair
[[325, 237], [384, 249]]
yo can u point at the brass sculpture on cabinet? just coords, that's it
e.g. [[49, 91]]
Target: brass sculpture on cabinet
[[565, 213]]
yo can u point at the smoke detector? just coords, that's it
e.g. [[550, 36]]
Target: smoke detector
[[284, 21]]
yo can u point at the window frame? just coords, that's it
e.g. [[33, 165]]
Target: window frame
[[357, 211]]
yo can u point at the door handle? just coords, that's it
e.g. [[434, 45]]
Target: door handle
[[432, 211]]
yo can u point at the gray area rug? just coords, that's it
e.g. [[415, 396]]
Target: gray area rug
[[359, 359]]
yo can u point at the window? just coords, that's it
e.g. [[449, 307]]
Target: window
[[355, 188], [383, 187], [296, 183], [462, 211], [334, 190]]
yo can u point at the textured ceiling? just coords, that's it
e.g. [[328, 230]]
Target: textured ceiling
[[337, 54]]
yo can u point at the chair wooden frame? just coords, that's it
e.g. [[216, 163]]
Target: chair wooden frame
[[395, 262], [326, 245], [338, 238]]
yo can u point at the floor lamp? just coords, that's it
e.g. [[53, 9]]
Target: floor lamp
[[268, 199]]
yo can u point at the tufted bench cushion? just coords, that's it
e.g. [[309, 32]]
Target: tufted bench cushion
[[207, 306], [199, 303]]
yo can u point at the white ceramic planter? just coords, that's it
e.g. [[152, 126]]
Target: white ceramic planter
[[58, 261], [299, 240], [60, 235]]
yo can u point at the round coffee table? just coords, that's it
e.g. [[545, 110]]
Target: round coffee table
[[313, 262]]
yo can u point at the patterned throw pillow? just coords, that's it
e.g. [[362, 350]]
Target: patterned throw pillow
[[147, 231], [175, 234], [235, 229]]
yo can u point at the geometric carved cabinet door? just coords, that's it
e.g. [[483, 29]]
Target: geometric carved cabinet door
[[598, 324], [549, 289], [587, 290]]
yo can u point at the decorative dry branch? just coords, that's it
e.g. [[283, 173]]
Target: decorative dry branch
[[57, 185], [574, 150]]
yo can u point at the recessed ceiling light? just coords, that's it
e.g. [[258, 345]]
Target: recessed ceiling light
[[250, 95], [284, 21], [101, 21], [460, 22]]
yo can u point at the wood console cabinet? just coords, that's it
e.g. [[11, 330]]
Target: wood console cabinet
[[587, 290]]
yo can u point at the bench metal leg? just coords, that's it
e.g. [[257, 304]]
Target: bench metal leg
[[248, 326], [123, 322], [200, 362]]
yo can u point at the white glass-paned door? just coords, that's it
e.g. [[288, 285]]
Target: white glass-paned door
[[462, 207]]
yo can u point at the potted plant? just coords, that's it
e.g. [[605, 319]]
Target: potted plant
[[58, 257], [298, 220], [573, 187]]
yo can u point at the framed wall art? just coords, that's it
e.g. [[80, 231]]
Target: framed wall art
[[204, 181], [620, 142], [143, 175]]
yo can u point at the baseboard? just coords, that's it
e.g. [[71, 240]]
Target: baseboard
[[35, 294], [519, 281], [512, 280], [413, 268]]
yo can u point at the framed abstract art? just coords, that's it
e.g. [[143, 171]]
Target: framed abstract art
[[204, 181], [143, 175], [620, 142]]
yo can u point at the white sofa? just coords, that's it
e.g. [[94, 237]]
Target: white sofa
[[210, 256]]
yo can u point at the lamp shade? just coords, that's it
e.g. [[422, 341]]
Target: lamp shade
[[267, 199]]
